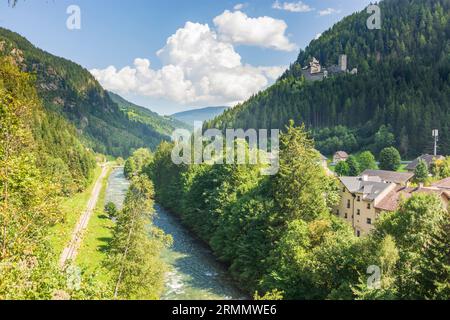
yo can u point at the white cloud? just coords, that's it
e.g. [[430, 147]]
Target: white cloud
[[292, 6], [236, 27], [240, 6], [198, 69], [317, 36], [328, 11]]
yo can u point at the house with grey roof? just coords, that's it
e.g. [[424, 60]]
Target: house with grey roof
[[400, 178], [359, 198], [427, 158]]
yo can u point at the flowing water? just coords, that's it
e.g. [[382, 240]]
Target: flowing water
[[194, 274]]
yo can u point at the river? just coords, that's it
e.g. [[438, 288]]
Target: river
[[194, 273]]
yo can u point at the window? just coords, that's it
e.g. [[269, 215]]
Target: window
[[343, 189], [346, 215], [348, 204], [369, 221], [358, 212], [337, 211], [358, 233], [368, 206], [358, 199]]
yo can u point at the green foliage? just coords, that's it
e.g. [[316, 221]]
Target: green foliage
[[390, 159], [134, 164], [413, 226], [161, 124], [111, 209], [441, 168], [353, 166], [421, 172], [384, 138], [29, 198], [134, 256], [330, 140], [342, 169], [400, 90], [367, 161]]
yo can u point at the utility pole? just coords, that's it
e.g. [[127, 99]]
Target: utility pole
[[436, 139]]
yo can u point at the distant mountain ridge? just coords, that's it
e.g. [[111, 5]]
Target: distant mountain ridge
[[202, 115], [70, 90]]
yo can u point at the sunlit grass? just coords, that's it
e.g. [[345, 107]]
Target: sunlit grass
[[72, 208]]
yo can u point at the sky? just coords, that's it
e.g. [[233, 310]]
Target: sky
[[176, 55]]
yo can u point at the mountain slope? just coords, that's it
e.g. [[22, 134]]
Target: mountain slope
[[161, 124], [72, 91], [204, 114], [402, 86]]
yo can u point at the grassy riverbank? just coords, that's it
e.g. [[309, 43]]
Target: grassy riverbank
[[71, 208], [94, 248]]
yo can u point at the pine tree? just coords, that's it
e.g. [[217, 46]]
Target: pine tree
[[421, 172], [434, 275]]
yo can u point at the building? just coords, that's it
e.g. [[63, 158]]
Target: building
[[392, 201], [428, 158], [400, 178], [443, 184], [359, 199], [364, 198], [340, 156], [316, 72]]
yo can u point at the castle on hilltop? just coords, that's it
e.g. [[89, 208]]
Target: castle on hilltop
[[315, 72]]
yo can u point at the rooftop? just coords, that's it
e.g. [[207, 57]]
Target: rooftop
[[393, 199], [428, 158], [389, 176], [442, 184], [371, 188]]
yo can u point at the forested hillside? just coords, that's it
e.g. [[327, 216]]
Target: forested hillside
[[402, 86], [70, 90], [40, 158], [163, 125]]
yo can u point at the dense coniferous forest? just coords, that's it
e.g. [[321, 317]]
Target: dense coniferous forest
[[403, 83], [71, 91]]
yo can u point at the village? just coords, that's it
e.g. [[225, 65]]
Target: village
[[365, 196]]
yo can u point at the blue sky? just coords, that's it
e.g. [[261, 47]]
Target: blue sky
[[179, 54]]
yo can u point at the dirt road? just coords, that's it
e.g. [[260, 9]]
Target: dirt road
[[70, 252]]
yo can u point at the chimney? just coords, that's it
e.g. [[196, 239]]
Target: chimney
[[343, 62], [365, 177]]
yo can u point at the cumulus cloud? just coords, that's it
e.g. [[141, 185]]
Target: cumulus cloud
[[236, 27], [292, 6], [198, 68], [328, 11]]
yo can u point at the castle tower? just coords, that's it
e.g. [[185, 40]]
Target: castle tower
[[343, 62], [315, 66]]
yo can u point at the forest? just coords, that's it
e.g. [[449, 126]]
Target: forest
[[280, 240], [403, 83], [41, 162]]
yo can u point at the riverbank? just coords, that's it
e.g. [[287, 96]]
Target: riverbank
[[94, 248], [71, 208]]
